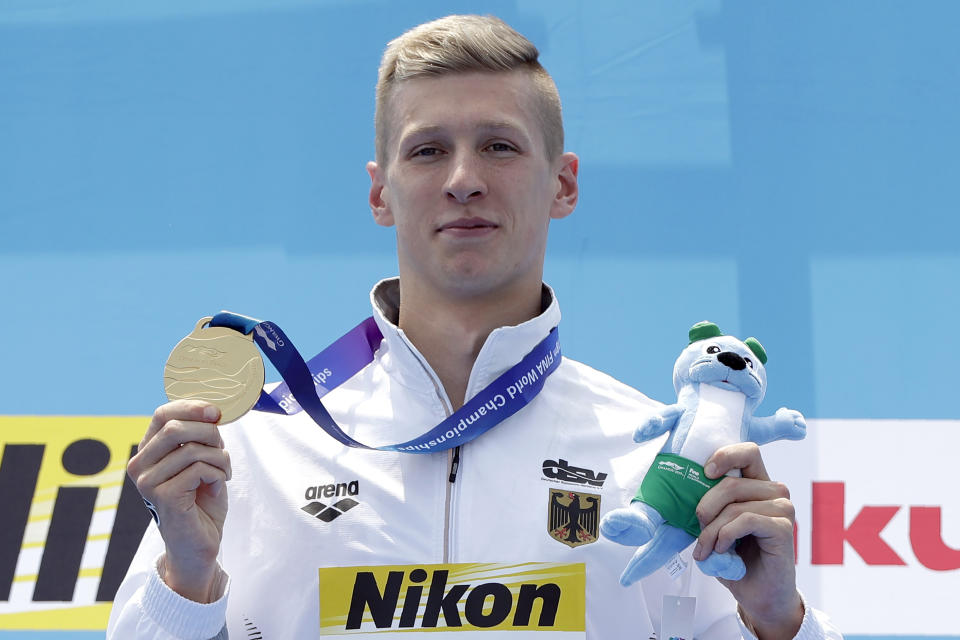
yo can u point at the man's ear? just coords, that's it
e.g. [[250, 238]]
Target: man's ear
[[568, 191], [382, 214]]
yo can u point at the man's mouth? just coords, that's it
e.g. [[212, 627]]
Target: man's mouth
[[468, 226]]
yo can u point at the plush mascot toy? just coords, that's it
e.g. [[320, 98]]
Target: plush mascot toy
[[719, 382]]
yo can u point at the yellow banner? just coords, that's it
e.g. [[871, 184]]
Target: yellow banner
[[68, 536], [533, 596]]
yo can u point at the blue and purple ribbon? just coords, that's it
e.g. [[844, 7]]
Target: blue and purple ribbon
[[305, 383]]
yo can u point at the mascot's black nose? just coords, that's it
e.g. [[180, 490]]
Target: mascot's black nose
[[732, 360]]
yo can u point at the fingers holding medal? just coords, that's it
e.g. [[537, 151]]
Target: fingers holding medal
[[181, 453], [212, 377], [181, 468]]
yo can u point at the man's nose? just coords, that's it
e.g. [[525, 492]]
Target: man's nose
[[465, 182]]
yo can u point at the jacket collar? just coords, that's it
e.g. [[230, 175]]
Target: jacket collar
[[503, 348]]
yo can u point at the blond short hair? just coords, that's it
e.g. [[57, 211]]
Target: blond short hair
[[459, 44]]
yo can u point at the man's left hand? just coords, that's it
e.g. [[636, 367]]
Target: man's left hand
[[757, 511]]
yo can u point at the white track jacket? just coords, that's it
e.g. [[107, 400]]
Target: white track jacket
[[300, 501]]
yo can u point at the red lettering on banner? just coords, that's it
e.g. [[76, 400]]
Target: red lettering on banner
[[927, 541], [863, 534]]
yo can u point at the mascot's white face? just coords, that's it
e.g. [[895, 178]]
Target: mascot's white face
[[724, 362]]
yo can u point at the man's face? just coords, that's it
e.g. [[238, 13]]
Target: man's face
[[468, 184]]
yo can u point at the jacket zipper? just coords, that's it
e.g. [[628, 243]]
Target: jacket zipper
[[454, 456], [454, 464], [448, 528]]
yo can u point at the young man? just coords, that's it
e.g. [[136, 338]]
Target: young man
[[470, 170]]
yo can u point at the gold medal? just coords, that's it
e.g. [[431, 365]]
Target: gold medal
[[218, 365]]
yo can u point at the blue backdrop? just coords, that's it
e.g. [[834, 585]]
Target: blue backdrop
[[787, 170]]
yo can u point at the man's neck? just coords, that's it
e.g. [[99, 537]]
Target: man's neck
[[450, 332]]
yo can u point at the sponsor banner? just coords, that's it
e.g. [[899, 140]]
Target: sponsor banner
[[878, 521], [545, 599], [878, 527], [71, 520]]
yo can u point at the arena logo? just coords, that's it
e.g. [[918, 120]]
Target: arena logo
[[830, 535], [73, 509], [327, 513]]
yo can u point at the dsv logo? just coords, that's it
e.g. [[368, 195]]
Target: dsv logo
[[563, 471]]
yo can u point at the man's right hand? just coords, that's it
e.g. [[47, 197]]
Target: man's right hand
[[182, 467]]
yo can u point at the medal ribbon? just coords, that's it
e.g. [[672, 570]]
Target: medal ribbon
[[305, 383]]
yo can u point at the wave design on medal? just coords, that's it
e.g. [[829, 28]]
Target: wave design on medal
[[206, 383], [201, 374], [208, 352], [224, 384], [178, 373], [202, 394]]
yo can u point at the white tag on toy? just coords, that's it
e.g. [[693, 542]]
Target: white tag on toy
[[677, 620], [676, 566]]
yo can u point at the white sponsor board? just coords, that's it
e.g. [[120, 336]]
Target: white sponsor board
[[868, 495]]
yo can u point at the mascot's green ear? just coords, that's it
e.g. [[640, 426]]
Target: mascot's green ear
[[757, 349], [704, 330]]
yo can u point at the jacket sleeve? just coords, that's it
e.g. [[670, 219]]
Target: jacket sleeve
[[717, 616], [145, 608], [815, 626]]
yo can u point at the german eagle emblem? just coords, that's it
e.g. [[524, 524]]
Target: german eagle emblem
[[572, 517]]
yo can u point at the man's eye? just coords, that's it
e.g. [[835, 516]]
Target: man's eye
[[426, 152], [501, 147]]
